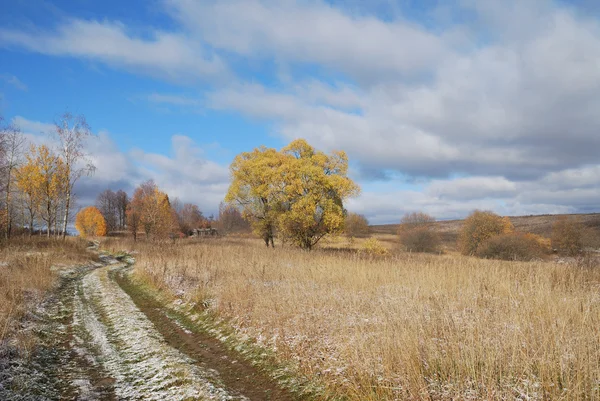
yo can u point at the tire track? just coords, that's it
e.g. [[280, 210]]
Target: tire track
[[126, 344]]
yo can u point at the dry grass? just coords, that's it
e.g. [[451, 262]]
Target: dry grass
[[26, 274], [403, 327]]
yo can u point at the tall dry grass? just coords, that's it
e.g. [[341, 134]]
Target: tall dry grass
[[26, 274], [403, 327]]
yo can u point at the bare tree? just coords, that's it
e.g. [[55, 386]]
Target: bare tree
[[189, 216], [72, 131], [122, 201], [230, 220], [12, 141], [106, 202]]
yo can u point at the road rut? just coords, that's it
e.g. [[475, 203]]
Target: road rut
[[97, 343]]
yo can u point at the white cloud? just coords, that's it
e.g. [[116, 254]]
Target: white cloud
[[311, 32], [520, 105], [473, 188], [166, 54], [186, 173], [508, 100]]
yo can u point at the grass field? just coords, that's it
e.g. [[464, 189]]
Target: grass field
[[26, 274], [405, 326]]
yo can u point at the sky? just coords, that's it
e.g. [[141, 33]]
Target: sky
[[442, 106]]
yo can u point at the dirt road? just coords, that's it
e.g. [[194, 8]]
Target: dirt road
[[102, 339]]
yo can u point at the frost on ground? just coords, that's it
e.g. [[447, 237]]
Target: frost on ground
[[142, 364], [51, 370], [95, 344]]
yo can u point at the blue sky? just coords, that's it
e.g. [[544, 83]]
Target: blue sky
[[442, 106]]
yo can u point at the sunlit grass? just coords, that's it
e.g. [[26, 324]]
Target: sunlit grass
[[26, 274], [400, 327]]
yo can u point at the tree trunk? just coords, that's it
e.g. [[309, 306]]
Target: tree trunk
[[67, 204], [8, 211]]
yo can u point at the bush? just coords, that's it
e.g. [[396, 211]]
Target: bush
[[512, 246], [479, 227], [417, 233], [567, 236], [356, 225], [373, 246]]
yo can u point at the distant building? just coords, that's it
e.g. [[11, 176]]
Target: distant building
[[205, 232]]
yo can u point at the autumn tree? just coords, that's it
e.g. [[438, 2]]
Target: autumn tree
[[29, 182], [72, 132], [90, 222], [151, 211], [356, 225], [315, 186], [298, 191], [417, 233], [256, 189], [48, 168], [480, 226]]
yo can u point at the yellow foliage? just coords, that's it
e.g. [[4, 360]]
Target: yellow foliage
[[90, 222], [42, 179], [543, 242], [480, 226], [373, 246], [299, 191]]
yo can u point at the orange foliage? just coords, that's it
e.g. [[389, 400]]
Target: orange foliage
[[479, 227], [150, 210], [90, 222]]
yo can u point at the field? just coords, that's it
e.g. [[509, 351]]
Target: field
[[333, 323], [28, 270], [540, 225], [405, 326]]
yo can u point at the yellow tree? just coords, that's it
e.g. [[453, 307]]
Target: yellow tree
[[315, 188], [256, 189], [90, 222], [299, 191], [29, 181], [52, 171]]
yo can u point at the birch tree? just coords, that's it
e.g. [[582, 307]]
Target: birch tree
[[72, 132]]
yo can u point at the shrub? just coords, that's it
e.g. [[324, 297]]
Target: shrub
[[417, 233], [356, 225], [479, 227], [373, 246], [567, 236], [512, 246]]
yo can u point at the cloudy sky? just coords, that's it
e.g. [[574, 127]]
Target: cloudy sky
[[442, 106]]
